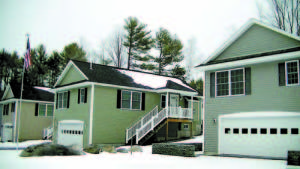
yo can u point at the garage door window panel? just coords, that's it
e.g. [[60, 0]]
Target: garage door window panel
[[235, 131], [253, 130], [227, 131], [244, 131], [294, 131], [263, 131], [273, 131], [283, 131]]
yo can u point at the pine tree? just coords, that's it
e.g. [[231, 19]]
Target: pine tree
[[138, 42]]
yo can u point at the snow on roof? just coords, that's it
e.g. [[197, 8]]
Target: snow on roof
[[151, 80], [44, 88], [260, 114]]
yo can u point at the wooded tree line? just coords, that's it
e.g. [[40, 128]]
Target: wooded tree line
[[131, 47]]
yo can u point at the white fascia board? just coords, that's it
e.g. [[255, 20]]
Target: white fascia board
[[25, 100], [176, 91], [263, 59], [71, 63], [6, 91], [241, 31]]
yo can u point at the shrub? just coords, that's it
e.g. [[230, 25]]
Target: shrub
[[109, 149], [93, 149], [136, 149], [48, 149]]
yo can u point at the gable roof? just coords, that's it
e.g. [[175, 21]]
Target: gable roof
[[30, 93], [211, 60], [127, 78]]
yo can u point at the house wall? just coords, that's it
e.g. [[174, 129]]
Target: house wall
[[73, 75], [266, 95], [74, 112], [258, 40], [31, 126], [110, 123]]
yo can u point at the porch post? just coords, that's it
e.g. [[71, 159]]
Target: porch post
[[167, 130], [167, 104], [191, 132], [192, 106]]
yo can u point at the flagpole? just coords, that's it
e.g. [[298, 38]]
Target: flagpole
[[22, 85]]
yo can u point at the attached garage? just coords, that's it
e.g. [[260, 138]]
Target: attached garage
[[70, 132], [261, 134]]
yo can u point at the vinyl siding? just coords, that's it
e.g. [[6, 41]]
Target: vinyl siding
[[73, 75], [75, 112], [110, 123], [266, 95], [258, 39]]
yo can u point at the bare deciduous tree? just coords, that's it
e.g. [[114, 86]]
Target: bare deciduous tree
[[283, 14], [116, 50]]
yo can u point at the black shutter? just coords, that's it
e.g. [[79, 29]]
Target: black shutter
[[119, 99], [143, 101], [248, 80], [36, 113], [56, 100], [85, 95], [78, 96], [68, 104], [281, 74], [212, 84]]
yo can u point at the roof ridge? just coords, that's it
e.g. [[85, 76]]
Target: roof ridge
[[114, 67]]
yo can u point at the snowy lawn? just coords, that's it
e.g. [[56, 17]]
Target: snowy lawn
[[10, 160]]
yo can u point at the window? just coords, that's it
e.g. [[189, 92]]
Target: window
[[273, 131], [227, 131], [5, 109], [13, 107], [235, 131], [163, 101], [230, 82], [82, 95], [253, 130], [131, 100], [263, 131], [294, 131], [283, 131], [62, 100], [185, 126], [244, 131], [292, 72], [45, 110]]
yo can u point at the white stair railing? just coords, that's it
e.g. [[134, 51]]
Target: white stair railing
[[131, 132]]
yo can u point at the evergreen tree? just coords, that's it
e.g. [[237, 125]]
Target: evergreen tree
[[73, 51], [138, 42], [54, 68]]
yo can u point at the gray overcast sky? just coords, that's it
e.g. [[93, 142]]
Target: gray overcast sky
[[55, 23]]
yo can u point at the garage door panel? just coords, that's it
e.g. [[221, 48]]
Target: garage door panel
[[258, 143], [70, 133]]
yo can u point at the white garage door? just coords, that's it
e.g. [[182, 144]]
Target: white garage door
[[266, 134], [70, 132], [7, 131]]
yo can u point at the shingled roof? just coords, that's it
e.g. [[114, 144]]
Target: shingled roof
[[32, 93], [129, 78]]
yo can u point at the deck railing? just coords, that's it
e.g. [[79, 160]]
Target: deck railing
[[153, 118]]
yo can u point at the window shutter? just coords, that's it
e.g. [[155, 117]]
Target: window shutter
[[247, 80], [36, 113], [68, 104], [212, 84], [78, 96], [85, 95], [281, 74], [56, 100], [119, 99], [143, 101]]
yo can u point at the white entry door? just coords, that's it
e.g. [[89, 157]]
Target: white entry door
[[174, 100], [70, 132], [7, 132]]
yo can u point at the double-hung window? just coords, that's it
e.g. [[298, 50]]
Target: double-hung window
[[292, 72], [45, 110], [13, 107], [62, 100], [5, 109], [230, 82], [131, 100], [82, 95]]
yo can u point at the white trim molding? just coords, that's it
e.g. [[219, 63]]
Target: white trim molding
[[91, 114]]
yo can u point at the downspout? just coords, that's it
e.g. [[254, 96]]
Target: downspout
[[91, 114]]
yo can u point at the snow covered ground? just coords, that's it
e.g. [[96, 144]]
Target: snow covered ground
[[9, 159]]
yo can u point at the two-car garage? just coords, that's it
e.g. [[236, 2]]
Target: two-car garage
[[70, 133], [264, 134]]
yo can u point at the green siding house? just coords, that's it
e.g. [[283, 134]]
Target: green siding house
[[252, 94], [97, 104], [28, 119]]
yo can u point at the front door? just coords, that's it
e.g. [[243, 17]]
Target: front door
[[174, 106]]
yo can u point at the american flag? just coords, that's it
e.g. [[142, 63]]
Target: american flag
[[27, 56]]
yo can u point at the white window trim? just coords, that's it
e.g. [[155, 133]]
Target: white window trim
[[81, 101], [161, 100], [46, 110], [229, 82], [62, 104], [130, 108], [286, 73]]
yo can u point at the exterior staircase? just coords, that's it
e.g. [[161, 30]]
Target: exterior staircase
[[150, 123]]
